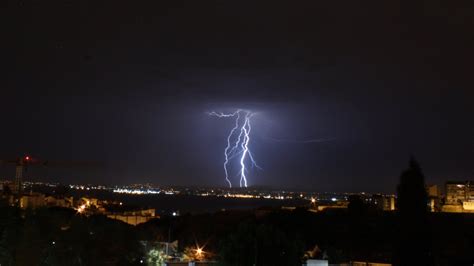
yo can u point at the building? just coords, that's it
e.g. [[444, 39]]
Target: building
[[459, 197], [134, 217], [456, 192], [51, 201], [384, 202], [17, 184], [452, 208], [470, 191], [468, 206], [32, 201], [313, 262], [433, 194], [432, 191]]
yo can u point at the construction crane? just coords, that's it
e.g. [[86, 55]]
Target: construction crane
[[22, 164]]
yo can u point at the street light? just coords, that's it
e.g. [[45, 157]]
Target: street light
[[199, 251]]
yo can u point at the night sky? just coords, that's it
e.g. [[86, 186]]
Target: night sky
[[128, 84]]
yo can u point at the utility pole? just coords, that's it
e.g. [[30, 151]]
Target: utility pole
[[169, 240], [18, 183]]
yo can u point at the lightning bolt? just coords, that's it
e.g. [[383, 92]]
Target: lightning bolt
[[226, 151], [241, 144]]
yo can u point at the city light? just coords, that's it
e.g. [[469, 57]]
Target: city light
[[81, 208], [136, 191], [200, 254]]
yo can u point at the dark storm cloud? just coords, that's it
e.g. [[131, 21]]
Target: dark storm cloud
[[129, 83]]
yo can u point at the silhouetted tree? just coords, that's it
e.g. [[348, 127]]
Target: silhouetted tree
[[10, 226], [7, 190], [61, 190], [356, 205], [240, 246], [261, 244], [413, 244]]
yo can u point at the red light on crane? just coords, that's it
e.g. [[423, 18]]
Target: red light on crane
[[27, 158]]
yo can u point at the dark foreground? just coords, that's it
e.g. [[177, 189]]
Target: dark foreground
[[58, 236]]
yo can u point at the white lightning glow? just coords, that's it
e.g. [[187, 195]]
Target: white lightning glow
[[226, 151], [241, 144]]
